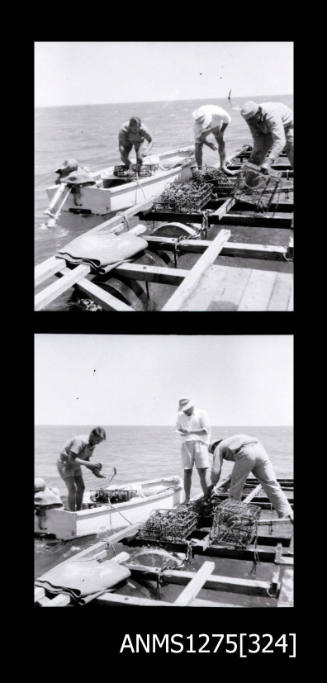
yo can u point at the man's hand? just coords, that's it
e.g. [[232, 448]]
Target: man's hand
[[95, 469], [227, 171], [212, 146], [265, 168]]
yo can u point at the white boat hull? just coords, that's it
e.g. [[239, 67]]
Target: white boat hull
[[101, 200], [66, 525]]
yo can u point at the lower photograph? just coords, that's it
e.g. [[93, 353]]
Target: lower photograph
[[163, 470]]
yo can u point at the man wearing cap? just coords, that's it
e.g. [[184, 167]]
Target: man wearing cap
[[248, 455], [134, 133], [76, 453], [271, 126], [210, 119], [194, 428]]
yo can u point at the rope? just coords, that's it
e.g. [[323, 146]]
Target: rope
[[140, 186]]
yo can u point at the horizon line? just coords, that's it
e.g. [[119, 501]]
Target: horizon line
[[76, 424], [183, 99]]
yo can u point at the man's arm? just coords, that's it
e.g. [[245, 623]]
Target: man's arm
[[146, 134], [257, 142], [202, 139], [179, 427], [216, 465], [205, 425], [277, 132], [221, 145]]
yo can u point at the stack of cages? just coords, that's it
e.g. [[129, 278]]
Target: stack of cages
[[222, 185], [173, 526], [234, 524], [112, 496], [183, 197], [144, 171]]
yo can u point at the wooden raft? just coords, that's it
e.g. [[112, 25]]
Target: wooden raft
[[206, 286]]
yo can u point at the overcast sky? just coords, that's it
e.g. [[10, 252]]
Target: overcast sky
[[69, 73], [138, 379]]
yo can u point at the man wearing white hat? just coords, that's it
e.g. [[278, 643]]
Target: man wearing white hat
[[271, 126], [194, 428], [210, 119]]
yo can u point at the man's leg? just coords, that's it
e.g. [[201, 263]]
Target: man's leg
[[80, 488], [198, 154], [187, 484], [140, 150], [202, 474], [289, 149], [265, 474], [70, 483], [241, 471], [124, 153]]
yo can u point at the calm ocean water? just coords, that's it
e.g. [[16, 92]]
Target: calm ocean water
[[147, 452], [90, 133]]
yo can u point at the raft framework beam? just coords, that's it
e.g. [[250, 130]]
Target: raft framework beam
[[188, 285], [237, 249]]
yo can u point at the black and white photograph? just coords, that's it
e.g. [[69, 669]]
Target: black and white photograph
[[163, 176], [163, 471]]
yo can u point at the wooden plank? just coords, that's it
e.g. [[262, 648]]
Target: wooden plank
[[214, 582], [177, 300], [226, 294], [198, 602], [251, 553], [108, 599], [57, 288], [252, 494], [272, 522], [211, 283], [100, 296], [193, 588], [281, 293], [258, 220], [258, 291], [260, 251], [224, 208], [237, 249], [43, 271], [173, 276]]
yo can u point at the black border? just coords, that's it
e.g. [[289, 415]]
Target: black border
[[107, 631]]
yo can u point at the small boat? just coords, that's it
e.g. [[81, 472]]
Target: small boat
[[113, 188], [193, 259], [107, 509], [134, 570]]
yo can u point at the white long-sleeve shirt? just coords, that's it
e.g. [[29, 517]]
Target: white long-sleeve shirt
[[276, 118]]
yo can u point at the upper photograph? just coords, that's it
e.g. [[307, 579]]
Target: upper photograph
[[163, 176]]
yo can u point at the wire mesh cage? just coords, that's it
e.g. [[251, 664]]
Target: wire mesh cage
[[143, 171], [112, 496], [255, 187], [234, 524], [221, 184], [183, 197], [169, 525]]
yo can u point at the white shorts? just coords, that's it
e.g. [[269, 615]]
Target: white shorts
[[195, 453]]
